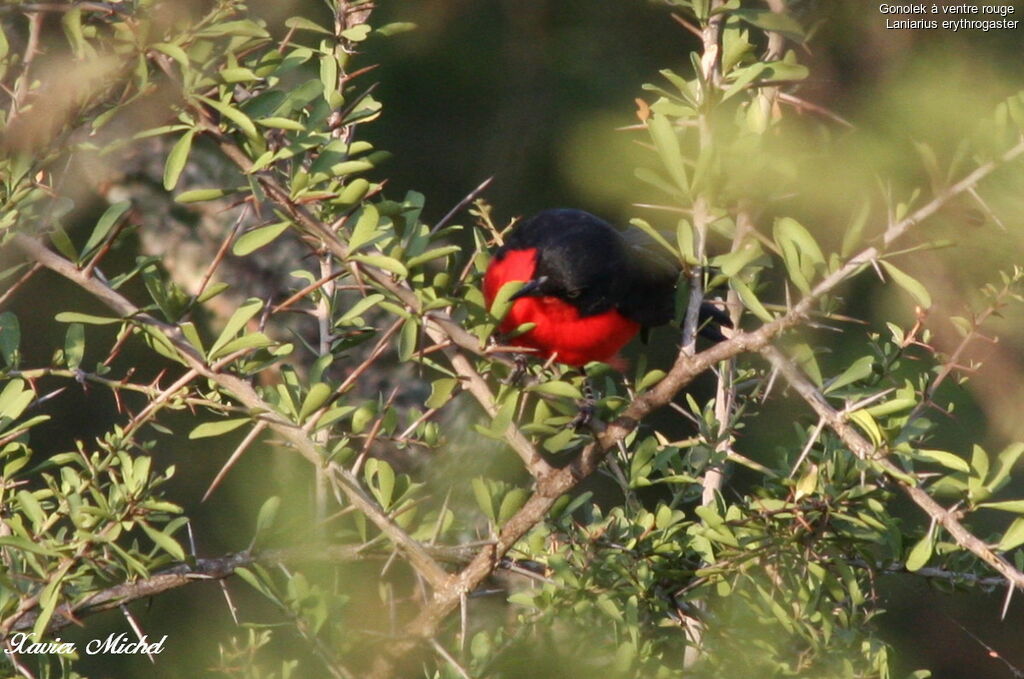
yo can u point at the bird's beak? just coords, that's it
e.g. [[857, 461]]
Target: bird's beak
[[531, 289]]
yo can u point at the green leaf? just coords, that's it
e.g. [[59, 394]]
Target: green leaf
[[354, 191], [910, 284], [74, 345], [868, 425], [105, 223], [1013, 537], [257, 582], [14, 399], [208, 429], [1015, 506], [396, 27], [609, 607], [807, 484], [920, 553], [979, 462], [164, 541], [407, 340], [650, 379], [365, 229], [281, 123], [560, 441], [381, 479], [317, 396], [482, 493], [251, 241], [389, 264], [732, 263], [26, 545], [88, 319], [158, 342], [502, 301], [750, 300], [430, 255], [10, 338], [684, 239], [653, 233], [556, 388], [441, 392], [858, 370], [767, 20], [666, 143], [47, 604], [800, 252], [64, 246], [891, 406], [252, 340], [188, 329], [363, 416], [304, 24], [1004, 465], [242, 315], [503, 418], [176, 159], [805, 357], [173, 51], [784, 71], [267, 514], [649, 176], [356, 33], [948, 460], [359, 307], [31, 508], [233, 114], [852, 234], [212, 291], [200, 195], [329, 79], [742, 77], [511, 503], [72, 24], [237, 74]]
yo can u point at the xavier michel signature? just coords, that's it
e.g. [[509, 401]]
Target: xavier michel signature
[[114, 644]]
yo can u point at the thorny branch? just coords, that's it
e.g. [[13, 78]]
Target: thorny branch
[[862, 448], [551, 482], [247, 395], [459, 345]]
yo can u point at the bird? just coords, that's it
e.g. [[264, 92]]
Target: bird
[[588, 288]]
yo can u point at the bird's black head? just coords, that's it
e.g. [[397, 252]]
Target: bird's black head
[[581, 259]]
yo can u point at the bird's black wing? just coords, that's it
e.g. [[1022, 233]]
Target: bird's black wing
[[649, 295]]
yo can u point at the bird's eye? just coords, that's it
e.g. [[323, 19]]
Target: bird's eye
[[573, 294]]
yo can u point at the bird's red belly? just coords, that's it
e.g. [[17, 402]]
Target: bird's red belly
[[559, 330]]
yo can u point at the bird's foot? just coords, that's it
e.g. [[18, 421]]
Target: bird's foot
[[586, 413], [587, 406], [521, 364]]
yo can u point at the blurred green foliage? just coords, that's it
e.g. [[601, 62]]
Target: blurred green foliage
[[257, 278]]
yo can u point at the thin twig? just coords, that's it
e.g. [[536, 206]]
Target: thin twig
[[470, 197]]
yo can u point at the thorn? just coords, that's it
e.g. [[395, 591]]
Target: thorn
[[133, 623]]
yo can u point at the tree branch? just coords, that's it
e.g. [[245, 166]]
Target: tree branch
[[218, 568], [247, 395], [863, 449], [683, 371]]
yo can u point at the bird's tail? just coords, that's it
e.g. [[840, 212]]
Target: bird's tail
[[711, 320]]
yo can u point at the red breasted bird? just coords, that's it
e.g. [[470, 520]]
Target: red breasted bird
[[588, 287]]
